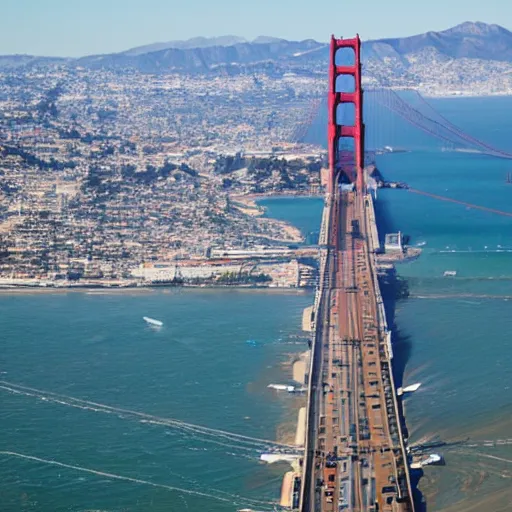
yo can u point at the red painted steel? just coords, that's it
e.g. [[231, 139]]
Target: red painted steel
[[336, 98]]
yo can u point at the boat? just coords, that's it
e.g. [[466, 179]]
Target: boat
[[282, 387], [152, 321], [408, 389], [450, 273], [271, 458], [412, 388], [432, 460]]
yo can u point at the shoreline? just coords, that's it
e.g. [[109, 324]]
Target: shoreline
[[294, 431], [95, 290], [281, 195], [249, 205], [250, 201], [464, 95], [247, 202], [454, 94]]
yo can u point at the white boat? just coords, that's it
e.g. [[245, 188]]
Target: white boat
[[282, 387], [450, 273], [433, 458], [412, 388], [408, 389], [152, 321], [271, 458]]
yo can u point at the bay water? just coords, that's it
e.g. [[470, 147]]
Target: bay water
[[457, 331], [209, 365]]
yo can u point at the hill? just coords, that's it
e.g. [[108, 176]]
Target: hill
[[196, 42], [472, 55], [202, 58], [467, 40]]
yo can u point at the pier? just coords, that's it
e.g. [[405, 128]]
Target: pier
[[355, 456]]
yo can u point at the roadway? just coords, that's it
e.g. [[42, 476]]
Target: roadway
[[355, 457]]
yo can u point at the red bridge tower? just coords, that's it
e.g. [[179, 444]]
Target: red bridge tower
[[335, 130]]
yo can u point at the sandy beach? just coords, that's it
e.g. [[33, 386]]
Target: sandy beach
[[300, 435], [300, 368], [307, 324], [286, 490], [248, 205]]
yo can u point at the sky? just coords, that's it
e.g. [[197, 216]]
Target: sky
[[74, 28]]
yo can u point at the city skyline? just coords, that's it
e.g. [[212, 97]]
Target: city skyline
[[57, 28]]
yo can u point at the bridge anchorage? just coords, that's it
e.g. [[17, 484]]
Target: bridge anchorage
[[354, 455]]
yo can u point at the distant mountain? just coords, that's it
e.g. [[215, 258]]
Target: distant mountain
[[386, 60], [468, 40], [196, 42], [471, 58], [204, 58], [199, 42], [17, 61], [267, 39]]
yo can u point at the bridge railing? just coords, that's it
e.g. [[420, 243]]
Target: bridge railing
[[320, 296], [383, 328], [324, 231], [321, 283]]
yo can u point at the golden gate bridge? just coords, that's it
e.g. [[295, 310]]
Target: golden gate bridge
[[387, 112], [388, 115]]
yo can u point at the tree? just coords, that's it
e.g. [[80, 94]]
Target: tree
[[128, 170]]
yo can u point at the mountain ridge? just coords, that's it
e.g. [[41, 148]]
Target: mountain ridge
[[468, 40], [188, 44]]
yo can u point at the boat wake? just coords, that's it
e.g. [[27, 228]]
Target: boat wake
[[470, 251], [214, 494], [461, 296], [216, 436]]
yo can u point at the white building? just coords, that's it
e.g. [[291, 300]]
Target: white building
[[393, 242]]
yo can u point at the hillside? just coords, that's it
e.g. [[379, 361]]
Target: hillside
[[468, 57], [204, 58], [471, 58], [465, 41]]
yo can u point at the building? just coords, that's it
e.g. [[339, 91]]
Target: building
[[394, 242]]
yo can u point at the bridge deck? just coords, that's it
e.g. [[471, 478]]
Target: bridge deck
[[355, 456]]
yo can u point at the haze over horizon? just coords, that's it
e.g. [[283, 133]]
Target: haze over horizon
[[57, 28]]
